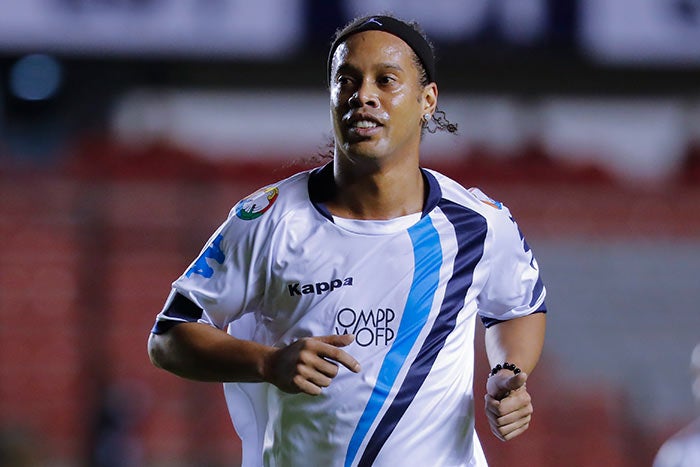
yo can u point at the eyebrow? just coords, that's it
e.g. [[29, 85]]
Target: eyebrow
[[345, 67], [392, 66]]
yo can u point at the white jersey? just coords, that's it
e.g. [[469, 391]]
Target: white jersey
[[281, 268]]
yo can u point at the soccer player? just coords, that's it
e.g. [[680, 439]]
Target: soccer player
[[338, 306]]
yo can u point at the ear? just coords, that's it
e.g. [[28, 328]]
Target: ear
[[430, 95]]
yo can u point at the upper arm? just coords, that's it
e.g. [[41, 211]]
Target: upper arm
[[219, 285], [514, 287], [518, 340]]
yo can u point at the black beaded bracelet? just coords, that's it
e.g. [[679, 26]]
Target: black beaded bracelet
[[505, 366]]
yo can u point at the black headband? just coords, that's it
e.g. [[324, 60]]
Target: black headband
[[397, 28]]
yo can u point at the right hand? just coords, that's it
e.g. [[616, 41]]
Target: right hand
[[309, 364], [508, 404]]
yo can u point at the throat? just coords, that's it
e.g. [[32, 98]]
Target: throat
[[378, 197]]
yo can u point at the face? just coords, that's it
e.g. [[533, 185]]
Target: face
[[377, 102]]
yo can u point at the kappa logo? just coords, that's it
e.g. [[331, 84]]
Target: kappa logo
[[373, 20], [318, 288], [373, 327]]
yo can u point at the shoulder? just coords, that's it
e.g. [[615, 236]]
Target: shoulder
[[502, 232], [262, 210], [273, 198], [472, 198]]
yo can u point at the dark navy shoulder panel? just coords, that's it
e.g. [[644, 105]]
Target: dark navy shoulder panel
[[181, 308], [322, 188], [434, 194]]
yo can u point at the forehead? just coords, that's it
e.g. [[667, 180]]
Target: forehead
[[373, 47]]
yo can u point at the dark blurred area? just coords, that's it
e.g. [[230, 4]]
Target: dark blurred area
[[129, 128]]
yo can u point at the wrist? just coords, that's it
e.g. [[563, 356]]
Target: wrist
[[504, 366], [268, 364]]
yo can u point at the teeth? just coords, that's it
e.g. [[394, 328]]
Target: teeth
[[364, 124]]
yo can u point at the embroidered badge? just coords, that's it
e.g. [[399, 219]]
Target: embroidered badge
[[256, 204]]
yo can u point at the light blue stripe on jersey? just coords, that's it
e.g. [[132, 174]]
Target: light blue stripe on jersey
[[427, 254], [470, 230]]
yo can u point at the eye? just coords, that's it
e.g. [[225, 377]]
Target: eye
[[343, 80], [386, 80]]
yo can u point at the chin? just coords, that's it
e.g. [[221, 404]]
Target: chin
[[364, 149]]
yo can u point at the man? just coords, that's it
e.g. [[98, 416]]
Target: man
[[349, 292]]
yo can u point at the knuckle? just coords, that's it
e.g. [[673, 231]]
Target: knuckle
[[333, 371], [304, 354], [335, 353], [308, 356], [298, 380], [305, 344], [324, 382]]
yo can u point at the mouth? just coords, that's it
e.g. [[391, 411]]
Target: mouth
[[363, 125]]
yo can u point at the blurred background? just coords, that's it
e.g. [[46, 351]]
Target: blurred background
[[129, 128]]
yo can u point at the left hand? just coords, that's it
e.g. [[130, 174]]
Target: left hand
[[508, 404]]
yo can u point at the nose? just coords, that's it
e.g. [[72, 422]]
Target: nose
[[364, 95]]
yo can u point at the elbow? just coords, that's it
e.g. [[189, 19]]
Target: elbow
[[156, 351], [166, 351]]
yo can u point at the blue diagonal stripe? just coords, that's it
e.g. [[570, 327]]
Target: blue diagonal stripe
[[428, 259], [470, 229]]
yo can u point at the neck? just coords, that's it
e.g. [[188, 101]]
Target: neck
[[377, 191]]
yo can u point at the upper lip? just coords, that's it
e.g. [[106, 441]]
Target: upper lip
[[358, 116]]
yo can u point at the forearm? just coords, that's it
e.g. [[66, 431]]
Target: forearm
[[200, 352], [517, 341]]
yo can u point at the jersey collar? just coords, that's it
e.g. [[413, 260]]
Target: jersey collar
[[321, 188]]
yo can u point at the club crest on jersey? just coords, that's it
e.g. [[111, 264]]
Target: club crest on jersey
[[256, 204], [485, 199]]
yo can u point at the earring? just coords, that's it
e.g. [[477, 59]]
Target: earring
[[427, 117]]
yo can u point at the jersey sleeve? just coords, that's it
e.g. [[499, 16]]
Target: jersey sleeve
[[514, 287], [222, 282]]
